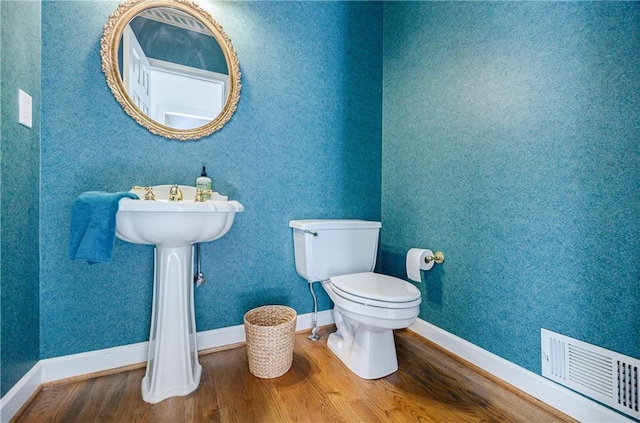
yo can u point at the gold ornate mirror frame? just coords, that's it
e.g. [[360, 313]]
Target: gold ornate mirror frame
[[109, 44]]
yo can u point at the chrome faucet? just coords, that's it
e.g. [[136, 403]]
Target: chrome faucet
[[175, 194]]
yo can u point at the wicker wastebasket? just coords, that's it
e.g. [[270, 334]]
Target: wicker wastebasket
[[270, 332]]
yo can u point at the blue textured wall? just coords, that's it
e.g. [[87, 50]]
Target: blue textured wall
[[305, 142], [511, 142], [20, 169]]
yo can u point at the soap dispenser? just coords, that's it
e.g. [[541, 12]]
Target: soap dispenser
[[204, 183]]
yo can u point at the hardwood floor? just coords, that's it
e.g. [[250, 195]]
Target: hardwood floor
[[429, 387]]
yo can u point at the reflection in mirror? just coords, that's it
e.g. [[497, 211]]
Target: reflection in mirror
[[171, 67], [176, 72]]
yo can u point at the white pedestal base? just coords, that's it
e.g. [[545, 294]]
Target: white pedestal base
[[172, 368]]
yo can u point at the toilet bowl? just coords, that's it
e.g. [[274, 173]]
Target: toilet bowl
[[368, 306], [364, 337]]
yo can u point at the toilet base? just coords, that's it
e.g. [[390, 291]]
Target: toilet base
[[371, 355]]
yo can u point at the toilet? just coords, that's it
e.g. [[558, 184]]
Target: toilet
[[368, 306]]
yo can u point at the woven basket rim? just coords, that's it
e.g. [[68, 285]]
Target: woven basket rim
[[256, 310]]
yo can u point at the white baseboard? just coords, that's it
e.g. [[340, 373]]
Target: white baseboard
[[20, 393], [557, 396], [69, 366]]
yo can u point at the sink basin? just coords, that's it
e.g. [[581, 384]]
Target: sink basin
[[174, 223], [173, 227]]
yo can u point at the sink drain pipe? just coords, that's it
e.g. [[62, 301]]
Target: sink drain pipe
[[198, 277]]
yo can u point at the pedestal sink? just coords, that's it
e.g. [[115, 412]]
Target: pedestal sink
[[173, 227]]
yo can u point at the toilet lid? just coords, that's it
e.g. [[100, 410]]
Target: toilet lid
[[376, 287]]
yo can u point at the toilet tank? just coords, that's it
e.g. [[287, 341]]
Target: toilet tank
[[327, 248]]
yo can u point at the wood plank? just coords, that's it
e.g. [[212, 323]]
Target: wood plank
[[430, 386]]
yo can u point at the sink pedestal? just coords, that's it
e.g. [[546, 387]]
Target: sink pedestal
[[173, 227], [172, 368]]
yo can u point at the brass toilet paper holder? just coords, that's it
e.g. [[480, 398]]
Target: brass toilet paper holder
[[437, 257]]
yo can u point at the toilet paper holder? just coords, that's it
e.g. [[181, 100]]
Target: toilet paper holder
[[437, 257]]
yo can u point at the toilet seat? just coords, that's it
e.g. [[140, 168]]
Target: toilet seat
[[377, 290]]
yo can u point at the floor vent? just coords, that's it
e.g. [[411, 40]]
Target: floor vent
[[603, 375]]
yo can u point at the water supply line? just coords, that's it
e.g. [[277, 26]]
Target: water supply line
[[314, 331], [198, 277]]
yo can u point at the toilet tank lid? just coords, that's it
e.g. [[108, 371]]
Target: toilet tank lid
[[319, 224]]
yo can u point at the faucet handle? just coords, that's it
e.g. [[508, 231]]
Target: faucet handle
[[149, 195], [200, 195]]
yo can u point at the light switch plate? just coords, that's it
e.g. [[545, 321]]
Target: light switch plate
[[25, 114]]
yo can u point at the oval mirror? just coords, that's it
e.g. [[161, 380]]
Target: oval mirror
[[171, 67]]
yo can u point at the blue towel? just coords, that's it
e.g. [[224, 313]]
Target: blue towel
[[93, 225]]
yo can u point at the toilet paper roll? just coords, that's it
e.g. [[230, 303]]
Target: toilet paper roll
[[416, 263]]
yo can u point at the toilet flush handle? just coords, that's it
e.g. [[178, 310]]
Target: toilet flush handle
[[306, 231]]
